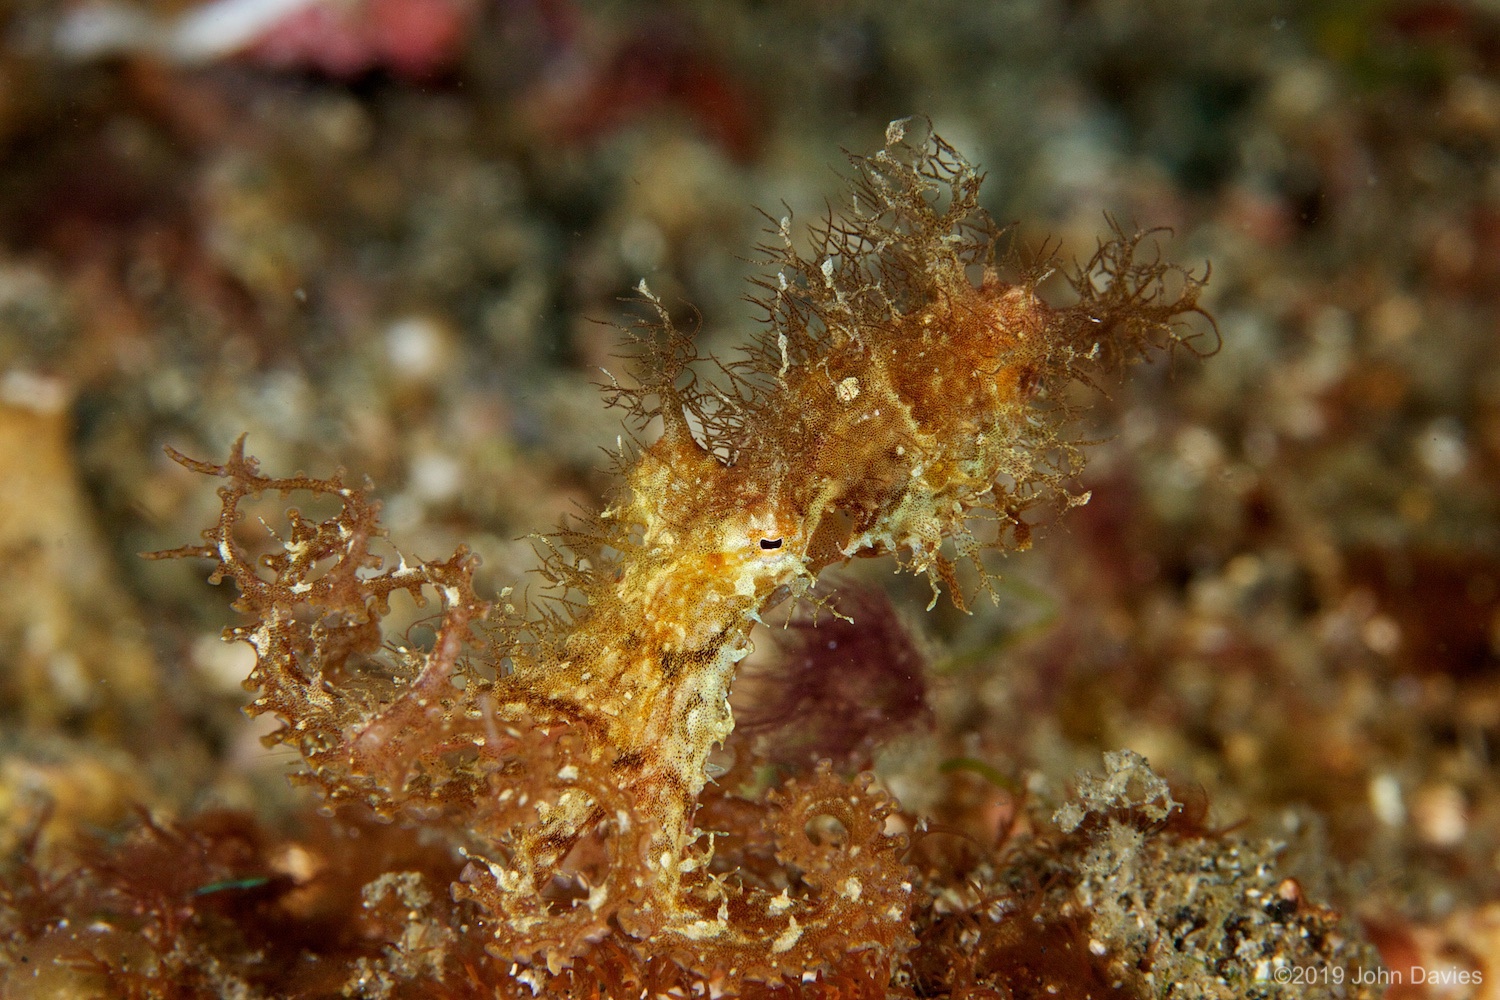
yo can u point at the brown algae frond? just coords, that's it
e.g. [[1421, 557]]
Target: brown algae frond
[[904, 390]]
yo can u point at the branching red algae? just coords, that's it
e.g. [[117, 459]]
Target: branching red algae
[[903, 395]]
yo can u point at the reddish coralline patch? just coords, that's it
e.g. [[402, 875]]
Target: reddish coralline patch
[[1019, 959], [836, 688], [663, 64], [1445, 606], [411, 39]]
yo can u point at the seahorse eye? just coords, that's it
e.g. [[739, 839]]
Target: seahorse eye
[[770, 543]]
